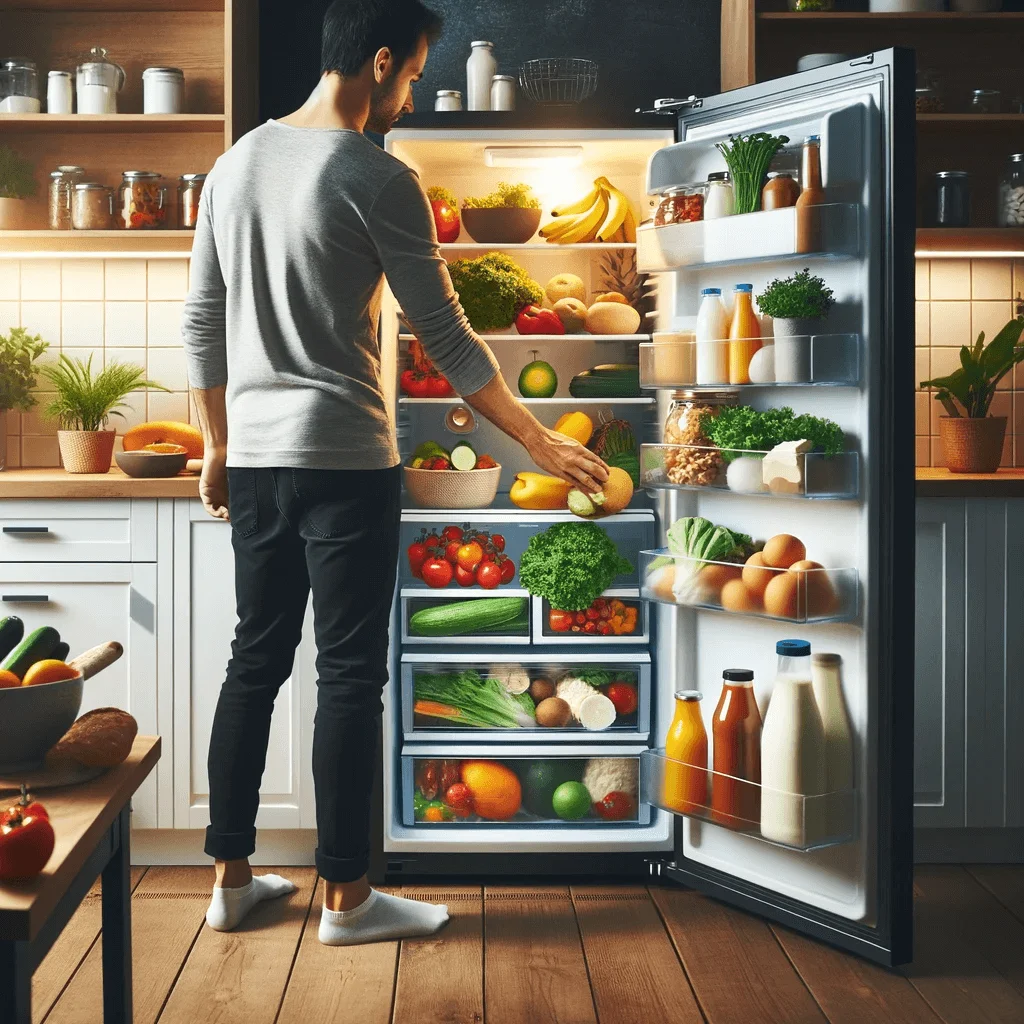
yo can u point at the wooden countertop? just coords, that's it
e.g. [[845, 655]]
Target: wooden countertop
[[940, 483], [56, 483]]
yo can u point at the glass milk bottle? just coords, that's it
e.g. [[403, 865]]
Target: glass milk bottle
[[685, 787], [828, 692], [792, 751], [480, 70], [712, 339]]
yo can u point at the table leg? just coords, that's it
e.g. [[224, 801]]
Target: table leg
[[16, 982], [117, 926]]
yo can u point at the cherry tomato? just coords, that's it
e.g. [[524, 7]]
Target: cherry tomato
[[470, 555], [483, 539], [604, 628], [488, 575], [26, 840], [451, 551], [417, 555], [464, 577], [508, 570], [592, 614], [432, 540], [437, 572], [498, 541], [615, 806], [590, 627], [622, 695], [450, 533], [559, 622], [405, 382], [581, 619], [415, 385]]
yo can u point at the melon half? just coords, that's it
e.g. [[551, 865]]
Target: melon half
[[165, 431]]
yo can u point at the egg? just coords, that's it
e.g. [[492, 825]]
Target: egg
[[756, 576], [745, 475], [815, 592], [783, 550], [714, 577], [736, 598], [782, 596], [762, 366], [661, 581]]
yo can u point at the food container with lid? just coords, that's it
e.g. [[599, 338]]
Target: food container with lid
[[952, 199], [680, 205], [141, 201], [986, 101], [19, 86], [92, 207], [719, 200], [503, 92], [59, 94], [699, 462], [1011, 193], [98, 81], [62, 186], [448, 99], [190, 188], [163, 91]]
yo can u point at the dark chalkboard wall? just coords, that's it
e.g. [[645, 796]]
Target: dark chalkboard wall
[[645, 48]]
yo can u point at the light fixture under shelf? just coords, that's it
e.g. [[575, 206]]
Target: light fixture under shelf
[[533, 156]]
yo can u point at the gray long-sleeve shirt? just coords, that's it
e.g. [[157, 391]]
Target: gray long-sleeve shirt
[[297, 229]]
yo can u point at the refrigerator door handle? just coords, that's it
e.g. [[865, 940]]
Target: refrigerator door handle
[[673, 106], [868, 58]]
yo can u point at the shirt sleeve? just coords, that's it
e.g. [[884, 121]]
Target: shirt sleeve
[[204, 322], [402, 228]]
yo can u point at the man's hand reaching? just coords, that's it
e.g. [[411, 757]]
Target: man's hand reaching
[[567, 459], [213, 483]]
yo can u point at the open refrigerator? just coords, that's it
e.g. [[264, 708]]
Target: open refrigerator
[[847, 878]]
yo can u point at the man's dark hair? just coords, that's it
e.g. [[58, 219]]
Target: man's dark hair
[[354, 30]]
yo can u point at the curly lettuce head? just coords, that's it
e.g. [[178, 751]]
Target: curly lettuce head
[[493, 289]]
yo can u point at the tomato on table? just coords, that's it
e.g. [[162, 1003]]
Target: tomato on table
[[26, 839]]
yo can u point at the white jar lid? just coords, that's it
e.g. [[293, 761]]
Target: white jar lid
[[481, 42], [58, 74], [163, 72], [503, 78], [449, 92]]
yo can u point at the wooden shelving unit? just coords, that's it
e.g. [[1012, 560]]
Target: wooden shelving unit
[[163, 241], [106, 124], [970, 241]]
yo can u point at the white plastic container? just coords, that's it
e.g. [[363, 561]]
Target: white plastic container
[[480, 70], [712, 339], [163, 91], [720, 200], [59, 94]]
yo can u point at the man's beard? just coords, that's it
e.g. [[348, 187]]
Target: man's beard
[[383, 116]]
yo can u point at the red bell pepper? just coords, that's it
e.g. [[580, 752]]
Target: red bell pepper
[[534, 320]]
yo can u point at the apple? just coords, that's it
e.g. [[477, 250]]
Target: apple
[[573, 315], [565, 286]]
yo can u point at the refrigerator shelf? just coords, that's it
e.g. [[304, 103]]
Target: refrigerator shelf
[[549, 338], [673, 466], [807, 360], [630, 596], [503, 511], [801, 596], [566, 400], [788, 820]]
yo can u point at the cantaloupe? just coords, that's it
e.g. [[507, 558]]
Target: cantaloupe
[[158, 431]]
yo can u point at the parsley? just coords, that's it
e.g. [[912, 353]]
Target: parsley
[[743, 429]]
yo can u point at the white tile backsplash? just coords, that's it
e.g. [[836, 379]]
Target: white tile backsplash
[[168, 279], [124, 324], [42, 318], [135, 356], [163, 406], [991, 279], [10, 280], [951, 323], [164, 324], [125, 280], [10, 315], [82, 325], [81, 280], [167, 367], [40, 280]]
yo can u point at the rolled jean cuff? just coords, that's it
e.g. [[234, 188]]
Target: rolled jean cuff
[[229, 845], [341, 869]]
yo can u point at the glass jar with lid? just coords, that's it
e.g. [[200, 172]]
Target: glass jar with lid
[[781, 190], [190, 188], [141, 201], [928, 94], [701, 463], [92, 207], [680, 205], [1011, 193], [952, 199], [448, 99], [163, 91], [19, 86], [62, 186], [719, 200], [97, 83], [986, 101]]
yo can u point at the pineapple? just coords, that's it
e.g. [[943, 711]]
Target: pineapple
[[618, 273]]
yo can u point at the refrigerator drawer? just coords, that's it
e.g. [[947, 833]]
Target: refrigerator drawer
[[619, 616], [513, 787], [450, 617], [427, 678]]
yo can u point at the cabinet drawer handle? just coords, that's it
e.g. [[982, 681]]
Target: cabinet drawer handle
[[26, 529], [25, 598]]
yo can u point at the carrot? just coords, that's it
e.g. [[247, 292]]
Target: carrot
[[434, 709]]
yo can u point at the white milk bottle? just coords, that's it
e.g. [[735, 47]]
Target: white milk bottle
[[712, 339], [792, 752], [828, 692]]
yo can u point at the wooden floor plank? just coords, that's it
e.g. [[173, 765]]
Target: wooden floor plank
[[167, 912], [339, 984], [68, 952], [969, 950], [737, 969], [851, 990], [239, 977], [1005, 882], [440, 978], [634, 971], [534, 968]]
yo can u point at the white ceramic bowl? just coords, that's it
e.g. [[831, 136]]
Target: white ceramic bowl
[[33, 718]]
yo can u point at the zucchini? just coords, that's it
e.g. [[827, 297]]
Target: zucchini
[[97, 658], [61, 651], [39, 644], [12, 629], [611, 380], [477, 615]]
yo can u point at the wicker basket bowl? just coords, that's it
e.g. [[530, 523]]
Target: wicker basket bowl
[[452, 488], [972, 445]]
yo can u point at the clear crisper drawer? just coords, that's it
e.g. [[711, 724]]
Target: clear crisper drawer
[[470, 696], [478, 617], [790, 820], [694, 467], [522, 789], [805, 594], [616, 617]]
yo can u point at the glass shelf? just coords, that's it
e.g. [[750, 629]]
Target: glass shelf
[[798, 361], [790, 820], [698, 468], [789, 595]]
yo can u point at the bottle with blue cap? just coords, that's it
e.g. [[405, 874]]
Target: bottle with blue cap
[[712, 338], [793, 766]]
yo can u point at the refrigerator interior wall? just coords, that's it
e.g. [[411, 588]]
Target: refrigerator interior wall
[[836, 533]]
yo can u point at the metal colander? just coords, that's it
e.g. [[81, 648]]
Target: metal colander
[[559, 80]]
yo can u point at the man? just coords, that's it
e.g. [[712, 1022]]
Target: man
[[299, 223]]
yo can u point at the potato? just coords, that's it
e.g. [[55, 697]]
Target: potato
[[553, 713], [756, 576], [782, 596], [612, 318], [783, 550], [815, 593], [736, 598]]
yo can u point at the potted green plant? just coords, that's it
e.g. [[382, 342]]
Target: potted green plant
[[19, 351], [17, 185], [973, 440], [83, 405], [797, 305]]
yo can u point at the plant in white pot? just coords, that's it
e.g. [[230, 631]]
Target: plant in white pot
[[17, 186], [973, 440], [19, 351], [797, 306], [83, 405]]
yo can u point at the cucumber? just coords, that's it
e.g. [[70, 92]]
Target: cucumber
[[12, 629], [479, 615], [61, 651], [39, 644], [611, 380], [463, 457]]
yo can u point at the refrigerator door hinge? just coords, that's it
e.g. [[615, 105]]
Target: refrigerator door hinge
[[654, 868], [673, 106]]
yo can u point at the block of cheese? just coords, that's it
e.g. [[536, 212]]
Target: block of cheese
[[783, 467]]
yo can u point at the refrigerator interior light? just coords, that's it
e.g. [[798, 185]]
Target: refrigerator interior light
[[533, 156]]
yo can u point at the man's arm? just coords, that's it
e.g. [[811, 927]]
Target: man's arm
[[213, 421]]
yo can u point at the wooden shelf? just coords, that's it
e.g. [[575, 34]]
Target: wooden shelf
[[963, 241], [95, 242], [72, 124], [971, 120], [107, 6], [916, 18]]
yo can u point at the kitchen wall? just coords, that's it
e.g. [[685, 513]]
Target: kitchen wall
[[957, 298], [123, 309]]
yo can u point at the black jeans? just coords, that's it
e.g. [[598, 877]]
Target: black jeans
[[334, 532]]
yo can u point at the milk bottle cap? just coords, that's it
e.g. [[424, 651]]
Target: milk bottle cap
[[793, 649]]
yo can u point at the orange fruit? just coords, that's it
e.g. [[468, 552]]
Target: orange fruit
[[50, 670], [166, 448], [497, 794], [165, 431], [8, 679]]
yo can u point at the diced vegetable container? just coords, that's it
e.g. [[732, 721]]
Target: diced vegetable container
[[619, 616]]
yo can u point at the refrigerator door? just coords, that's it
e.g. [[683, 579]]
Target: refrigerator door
[[852, 885]]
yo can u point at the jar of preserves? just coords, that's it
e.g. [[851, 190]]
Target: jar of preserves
[[719, 200], [19, 86], [190, 188], [92, 207], [62, 186], [680, 205], [1011, 193], [781, 190], [986, 101], [928, 94], [141, 201], [701, 463], [952, 199], [448, 99]]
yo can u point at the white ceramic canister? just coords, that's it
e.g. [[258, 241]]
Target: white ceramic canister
[[59, 94], [480, 70], [163, 91]]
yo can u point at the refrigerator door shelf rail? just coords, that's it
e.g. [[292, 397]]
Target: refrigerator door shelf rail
[[814, 476], [792, 821], [534, 247], [805, 360], [566, 400], [502, 510], [545, 339], [543, 633], [804, 595]]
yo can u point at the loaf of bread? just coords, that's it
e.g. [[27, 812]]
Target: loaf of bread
[[99, 739]]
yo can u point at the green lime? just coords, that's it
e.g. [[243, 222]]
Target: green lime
[[571, 801], [541, 778], [538, 380]]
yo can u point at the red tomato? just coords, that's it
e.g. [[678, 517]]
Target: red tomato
[[436, 386], [417, 385], [470, 555], [615, 806], [488, 575], [604, 628], [459, 796], [560, 622], [498, 541], [592, 614], [437, 572], [432, 540], [446, 221], [417, 555], [405, 382], [464, 577], [590, 627], [451, 551], [450, 533], [622, 695], [26, 840], [508, 570]]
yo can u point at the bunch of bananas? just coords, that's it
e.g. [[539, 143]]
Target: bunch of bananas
[[602, 215]]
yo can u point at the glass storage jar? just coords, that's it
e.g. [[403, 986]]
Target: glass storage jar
[[680, 205], [719, 200], [92, 207], [62, 185], [700, 465], [19, 86], [986, 101], [59, 94], [448, 99], [1011, 193], [163, 91], [781, 190], [190, 188], [97, 83], [503, 92], [952, 199], [928, 94], [141, 200]]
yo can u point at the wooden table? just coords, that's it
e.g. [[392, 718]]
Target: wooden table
[[93, 826]]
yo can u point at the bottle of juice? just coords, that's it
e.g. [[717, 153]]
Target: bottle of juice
[[736, 728], [686, 751], [744, 334], [808, 220]]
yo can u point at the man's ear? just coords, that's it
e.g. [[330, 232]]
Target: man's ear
[[382, 62]]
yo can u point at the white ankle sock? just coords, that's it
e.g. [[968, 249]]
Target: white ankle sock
[[378, 918], [229, 906]]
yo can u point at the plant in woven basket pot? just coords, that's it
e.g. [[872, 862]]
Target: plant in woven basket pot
[[17, 187], [797, 306], [19, 351], [973, 440], [83, 406]]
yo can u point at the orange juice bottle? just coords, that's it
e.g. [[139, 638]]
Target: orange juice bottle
[[686, 750], [744, 334]]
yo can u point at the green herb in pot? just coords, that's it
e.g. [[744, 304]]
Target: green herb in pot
[[748, 158]]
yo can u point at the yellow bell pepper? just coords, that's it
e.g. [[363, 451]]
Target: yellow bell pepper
[[577, 425], [538, 492]]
